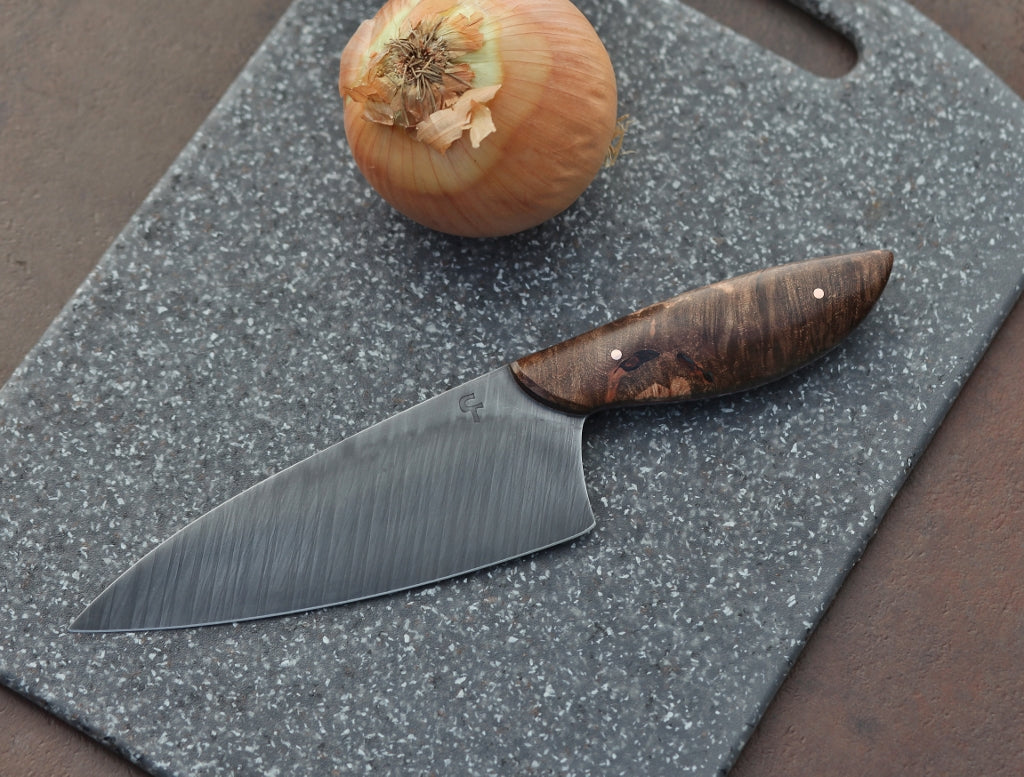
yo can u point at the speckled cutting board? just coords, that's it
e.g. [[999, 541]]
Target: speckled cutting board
[[264, 303]]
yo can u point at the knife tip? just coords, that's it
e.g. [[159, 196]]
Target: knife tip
[[90, 621], [80, 625]]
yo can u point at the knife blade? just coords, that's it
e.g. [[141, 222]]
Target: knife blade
[[486, 472]]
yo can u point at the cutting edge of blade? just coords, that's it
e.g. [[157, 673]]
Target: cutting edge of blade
[[424, 584]]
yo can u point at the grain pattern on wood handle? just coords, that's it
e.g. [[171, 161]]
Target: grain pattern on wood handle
[[722, 338]]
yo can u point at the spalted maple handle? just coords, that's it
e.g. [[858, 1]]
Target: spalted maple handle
[[722, 338]]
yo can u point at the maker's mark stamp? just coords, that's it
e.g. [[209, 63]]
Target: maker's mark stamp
[[468, 403]]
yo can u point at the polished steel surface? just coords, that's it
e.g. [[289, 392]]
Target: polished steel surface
[[473, 477]]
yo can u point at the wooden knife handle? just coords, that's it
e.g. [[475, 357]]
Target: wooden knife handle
[[722, 338]]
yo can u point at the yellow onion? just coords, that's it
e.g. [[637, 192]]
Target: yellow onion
[[478, 117]]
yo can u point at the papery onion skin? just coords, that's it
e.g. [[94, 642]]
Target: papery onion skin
[[554, 118]]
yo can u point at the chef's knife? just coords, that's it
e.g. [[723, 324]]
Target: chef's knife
[[485, 472]]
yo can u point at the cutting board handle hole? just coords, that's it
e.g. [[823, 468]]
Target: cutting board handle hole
[[786, 30]]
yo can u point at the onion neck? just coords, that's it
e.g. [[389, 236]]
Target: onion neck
[[420, 79], [421, 75]]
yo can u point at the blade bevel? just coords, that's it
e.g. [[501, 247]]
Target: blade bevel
[[476, 476]]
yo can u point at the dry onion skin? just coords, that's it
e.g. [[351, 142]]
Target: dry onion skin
[[478, 117]]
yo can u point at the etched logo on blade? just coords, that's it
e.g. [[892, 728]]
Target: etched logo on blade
[[468, 403]]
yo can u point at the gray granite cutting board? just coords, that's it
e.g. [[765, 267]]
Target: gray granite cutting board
[[264, 303]]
